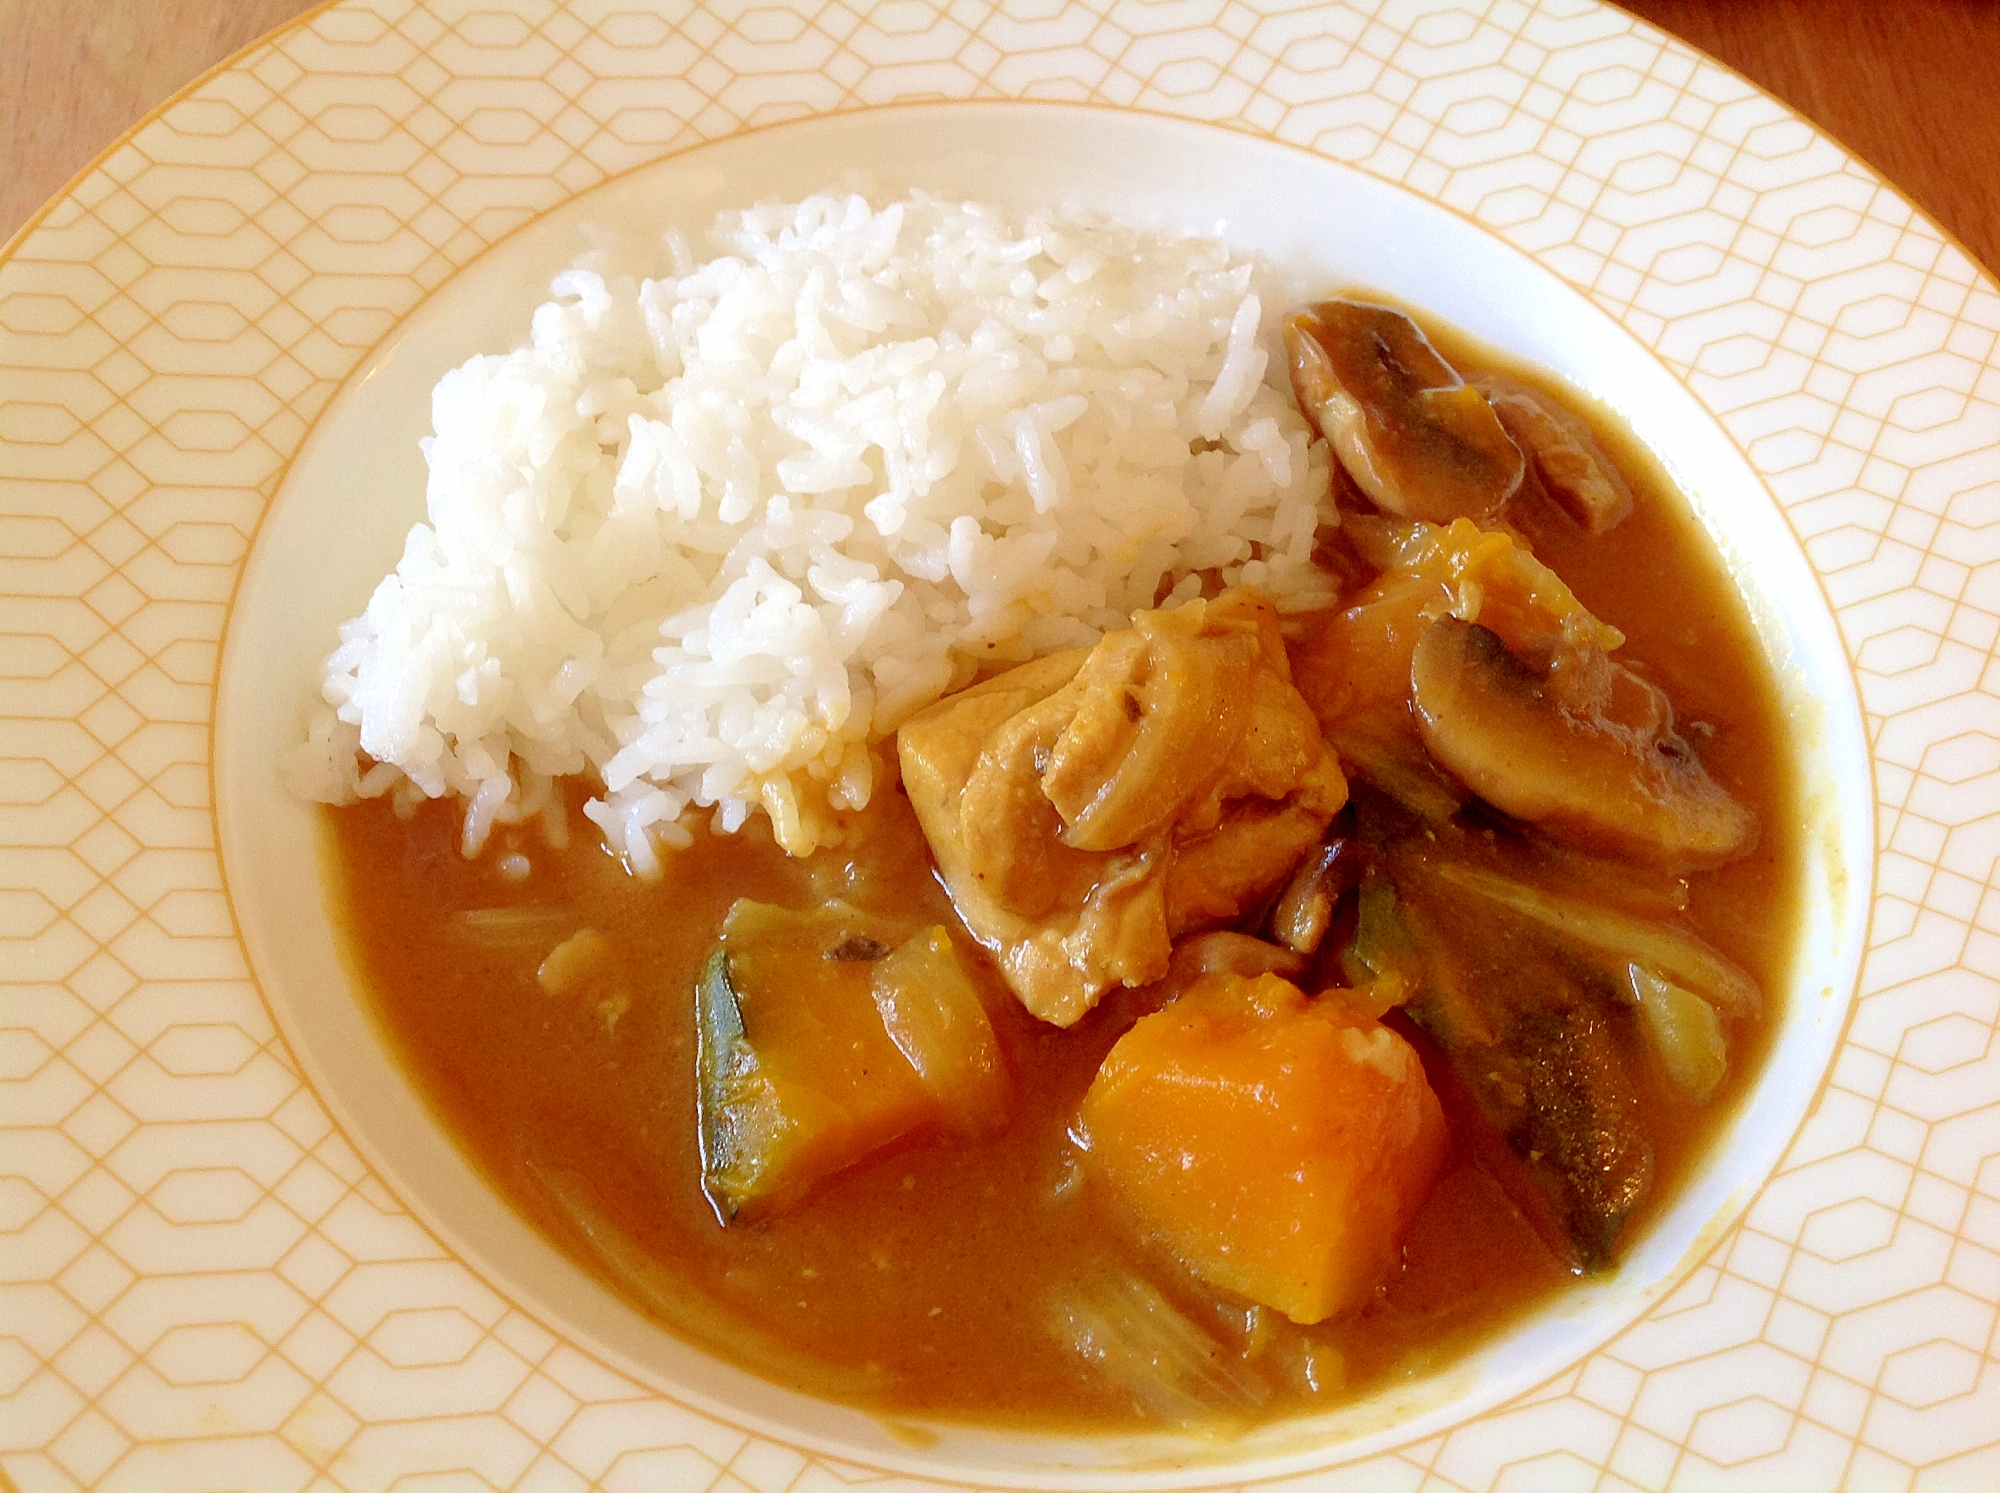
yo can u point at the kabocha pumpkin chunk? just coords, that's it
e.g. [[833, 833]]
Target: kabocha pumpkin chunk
[[799, 1078], [1278, 1145]]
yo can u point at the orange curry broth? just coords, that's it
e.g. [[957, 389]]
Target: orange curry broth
[[917, 1283]]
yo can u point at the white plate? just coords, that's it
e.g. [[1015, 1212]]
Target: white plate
[[209, 1278]]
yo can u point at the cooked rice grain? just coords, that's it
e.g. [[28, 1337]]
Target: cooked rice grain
[[711, 533]]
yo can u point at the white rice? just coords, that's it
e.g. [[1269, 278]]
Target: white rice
[[713, 531]]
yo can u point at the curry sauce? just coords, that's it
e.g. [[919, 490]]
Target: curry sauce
[[916, 1282]]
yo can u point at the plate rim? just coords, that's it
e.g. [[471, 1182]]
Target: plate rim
[[1351, 1448], [1868, 896]]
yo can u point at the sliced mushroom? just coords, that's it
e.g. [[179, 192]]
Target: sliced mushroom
[[1554, 1105], [1577, 473], [1225, 952], [1526, 742], [1418, 439], [1538, 1083], [1304, 910]]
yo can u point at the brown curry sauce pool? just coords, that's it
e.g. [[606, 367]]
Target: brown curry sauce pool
[[913, 1284]]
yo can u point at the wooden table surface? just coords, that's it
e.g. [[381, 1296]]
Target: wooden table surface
[[1911, 86]]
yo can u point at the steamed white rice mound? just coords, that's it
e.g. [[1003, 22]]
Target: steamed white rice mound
[[723, 523]]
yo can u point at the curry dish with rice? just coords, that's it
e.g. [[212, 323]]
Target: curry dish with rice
[[1196, 1028]]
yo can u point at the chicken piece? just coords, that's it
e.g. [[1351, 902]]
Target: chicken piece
[[1086, 808]]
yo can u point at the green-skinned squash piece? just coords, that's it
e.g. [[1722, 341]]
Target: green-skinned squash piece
[[798, 1075]]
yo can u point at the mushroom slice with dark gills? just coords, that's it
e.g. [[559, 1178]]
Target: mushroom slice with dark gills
[[1355, 671], [1468, 664], [1418, 439], [1087, 808], [1578, 475], [1538, 1073], [1582, 747]]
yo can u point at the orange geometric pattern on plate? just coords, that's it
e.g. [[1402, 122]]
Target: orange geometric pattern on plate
[[203, 1284]]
